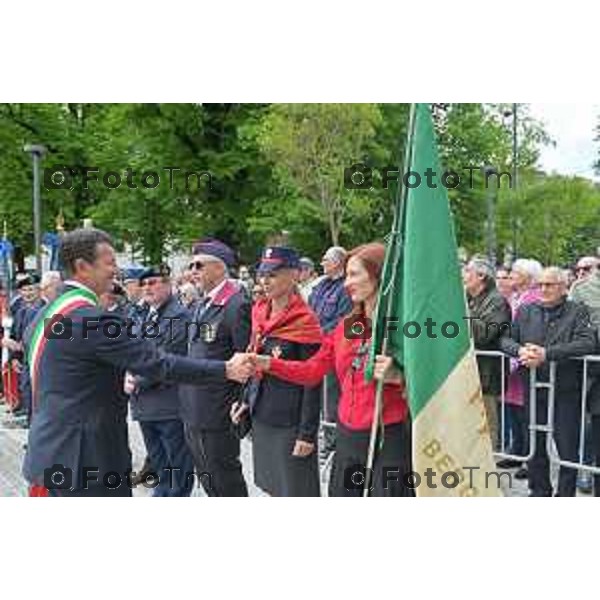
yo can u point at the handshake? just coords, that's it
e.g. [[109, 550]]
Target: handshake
[[241, 366]]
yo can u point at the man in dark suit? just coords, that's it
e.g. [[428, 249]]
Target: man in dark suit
[[222, 319], [155, 404], [553, 329], [78, 441]]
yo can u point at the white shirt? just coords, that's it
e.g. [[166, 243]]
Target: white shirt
[[80, 285], [210, 296]]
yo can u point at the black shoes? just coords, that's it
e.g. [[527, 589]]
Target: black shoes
[[521, 473], [508, 463]]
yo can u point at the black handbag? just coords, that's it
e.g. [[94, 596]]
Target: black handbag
[[247, 396]]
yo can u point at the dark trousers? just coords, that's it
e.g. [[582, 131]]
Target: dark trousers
[[169, 457], [216, 456], [567, 420], [392, 462], [330, 395], [519, 429], [595, 449]]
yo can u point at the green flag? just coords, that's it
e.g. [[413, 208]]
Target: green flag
[[421, 310]]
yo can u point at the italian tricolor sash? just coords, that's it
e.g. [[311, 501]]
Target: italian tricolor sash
[[54, 312]]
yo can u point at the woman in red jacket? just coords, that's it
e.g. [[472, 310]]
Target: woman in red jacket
[[347, 355]]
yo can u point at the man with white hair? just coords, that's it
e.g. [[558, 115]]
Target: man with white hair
[[222, 321], [586, 290], [586, 266], [49, 285], [553, 329], [489, 319], [331, 302]]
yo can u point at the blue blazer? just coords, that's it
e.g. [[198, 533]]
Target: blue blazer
[[78, 416], [159, 400]]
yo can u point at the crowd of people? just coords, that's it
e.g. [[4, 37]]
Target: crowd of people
[[220, 352], [537, 316]]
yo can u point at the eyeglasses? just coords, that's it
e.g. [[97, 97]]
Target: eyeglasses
[[585, 269], [545, 284]]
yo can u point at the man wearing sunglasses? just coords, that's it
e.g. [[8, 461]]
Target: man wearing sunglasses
[[586, 267], [586, 290], [78, 441], [222, 321]]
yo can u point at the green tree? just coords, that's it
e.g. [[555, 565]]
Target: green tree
[[558, 217], [310, 145]]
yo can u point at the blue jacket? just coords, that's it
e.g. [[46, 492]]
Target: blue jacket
[[159, 400], [330, 301], [78, 418]]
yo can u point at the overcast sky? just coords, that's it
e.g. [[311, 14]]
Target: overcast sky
[[572, 126]]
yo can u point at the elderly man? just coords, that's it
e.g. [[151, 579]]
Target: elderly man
[[222, 320], [489, 319], [586, 290], [308, 278], [49, 285], [553, 329], [155, 404], [586, 266], [331, 302], [78, 441]]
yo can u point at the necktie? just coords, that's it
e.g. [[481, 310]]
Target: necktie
[[202, 306]]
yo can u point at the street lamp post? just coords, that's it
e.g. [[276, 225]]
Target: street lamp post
[[515, 155], [37, 152], [491, 217]]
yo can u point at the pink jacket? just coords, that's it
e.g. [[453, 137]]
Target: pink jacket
[[515, 392]]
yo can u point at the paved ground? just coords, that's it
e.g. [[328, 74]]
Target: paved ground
[[11, 455]]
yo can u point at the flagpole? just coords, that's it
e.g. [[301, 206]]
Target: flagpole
[[400, 206]]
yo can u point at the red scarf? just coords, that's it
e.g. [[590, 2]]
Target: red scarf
[[296, 323]]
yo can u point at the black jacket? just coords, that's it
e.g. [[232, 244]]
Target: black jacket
[[219, 332], [159, 400], [565, 331], [281, 404], [78, 419], [489, 320]]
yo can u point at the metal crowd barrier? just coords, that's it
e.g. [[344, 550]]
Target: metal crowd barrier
[[548, 427], [533, 426]]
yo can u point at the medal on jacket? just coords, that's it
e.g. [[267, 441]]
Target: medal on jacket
[[208, 333]]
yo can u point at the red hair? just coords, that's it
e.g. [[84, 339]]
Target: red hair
[[371, 257]]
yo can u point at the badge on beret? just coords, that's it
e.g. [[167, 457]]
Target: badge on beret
[[276, 352]]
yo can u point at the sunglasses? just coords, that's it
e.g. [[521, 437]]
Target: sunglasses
[[583, 269], [196, 266]]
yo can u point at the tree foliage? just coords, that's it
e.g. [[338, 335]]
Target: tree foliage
[[272, 168]]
